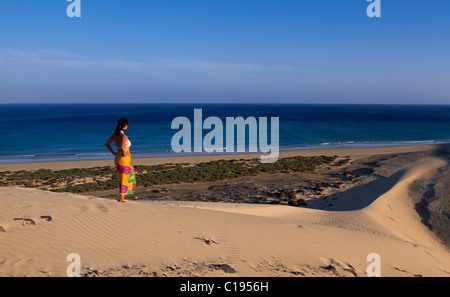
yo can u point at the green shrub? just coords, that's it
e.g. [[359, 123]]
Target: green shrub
[[105, 178]]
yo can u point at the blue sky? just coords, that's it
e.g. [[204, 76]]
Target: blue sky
[[305, 51]]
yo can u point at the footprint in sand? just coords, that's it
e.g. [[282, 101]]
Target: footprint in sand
[[339, 268], [207, 241], [47, 218], [224, 267], [25, 222]]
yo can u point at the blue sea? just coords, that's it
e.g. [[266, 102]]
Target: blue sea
[[53, 132]]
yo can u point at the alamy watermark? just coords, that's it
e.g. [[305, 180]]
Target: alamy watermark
[[213, 140], [374, 9], [374, 268], [74, 268], [74, 9]]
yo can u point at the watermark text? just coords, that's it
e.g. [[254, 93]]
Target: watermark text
[[213, 141], [74, 9]]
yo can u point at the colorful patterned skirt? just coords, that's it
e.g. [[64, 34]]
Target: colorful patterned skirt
[[127, 179]]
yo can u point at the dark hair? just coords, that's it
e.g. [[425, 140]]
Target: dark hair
[[120, 125]]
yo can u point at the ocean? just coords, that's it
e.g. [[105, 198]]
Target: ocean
[[55, 132]]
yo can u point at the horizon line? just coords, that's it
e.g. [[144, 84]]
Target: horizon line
[[236, 103]]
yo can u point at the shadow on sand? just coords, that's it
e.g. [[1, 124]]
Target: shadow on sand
[[363, 195]]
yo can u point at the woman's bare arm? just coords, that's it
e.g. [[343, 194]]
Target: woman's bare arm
[[108, 144]]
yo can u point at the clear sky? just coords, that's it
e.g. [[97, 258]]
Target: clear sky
[[307, 51]]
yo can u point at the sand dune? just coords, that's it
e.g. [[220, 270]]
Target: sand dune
[[148, 238]]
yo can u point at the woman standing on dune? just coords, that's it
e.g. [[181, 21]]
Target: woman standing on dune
[[122, 161]]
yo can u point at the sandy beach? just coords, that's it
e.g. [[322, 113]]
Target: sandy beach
[[340, 151], [391, 201]]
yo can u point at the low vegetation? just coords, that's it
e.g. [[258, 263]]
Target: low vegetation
[[82, 180]]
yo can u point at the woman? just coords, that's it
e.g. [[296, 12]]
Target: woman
[[127, 179]]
